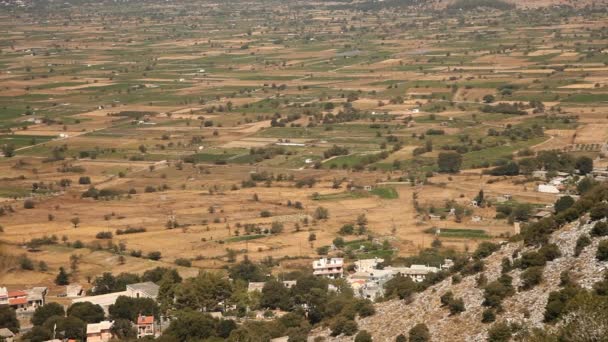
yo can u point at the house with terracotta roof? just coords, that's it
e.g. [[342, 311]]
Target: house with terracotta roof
[[23, 300], [146, 326]]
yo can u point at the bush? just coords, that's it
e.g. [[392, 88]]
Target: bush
[[154, 255], [557, 301], [84, 180], [599, 229], [531, 277], [26, 263], [499, 332], [550, 252], [582, 242], [488, 316], [497, 290], [183, 262], [420, 333], [104, 235], [28, 204], [485, 249], [602, 251], [456, 306], [321, 213], [363, 336]]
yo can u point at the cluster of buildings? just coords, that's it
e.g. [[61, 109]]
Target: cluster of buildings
[[368, 279], [23, 300]]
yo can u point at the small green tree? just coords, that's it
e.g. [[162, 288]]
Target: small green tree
[[62, 278], [449, 162]]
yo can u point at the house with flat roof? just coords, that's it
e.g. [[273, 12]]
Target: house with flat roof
[[99, 332], [416, 272], [328, 267], [23, 300]]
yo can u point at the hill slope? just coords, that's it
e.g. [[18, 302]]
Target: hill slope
[[525, 308]]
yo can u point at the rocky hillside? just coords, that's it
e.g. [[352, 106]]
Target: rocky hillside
[[525, 307]]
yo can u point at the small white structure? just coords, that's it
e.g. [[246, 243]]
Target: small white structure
[[368, 265], [6, 335], [329, 268], [73, 290], [548, 189], [99, 332], [258, 286]]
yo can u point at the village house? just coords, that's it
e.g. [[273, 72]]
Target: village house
[[416, 272], [146, 326], [23, 300], [99, 332], [329, 268]]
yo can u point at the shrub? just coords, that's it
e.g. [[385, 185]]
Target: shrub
[[363, 336], [497, 290], [26, 263], [599, 229], [531, 277], [456, 306], [104, 235], [488, 316], [156, 255], [84, 180], [265, 213], [531, 259], [446, 298], [130, 231], [28, 204], [321, 213], [499, 332], [183, 262], [485, 249], [582, 242], [550, 252], [602, 251], [557, 301], [420, 333]]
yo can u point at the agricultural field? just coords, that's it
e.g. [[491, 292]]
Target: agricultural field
[[211, 133]]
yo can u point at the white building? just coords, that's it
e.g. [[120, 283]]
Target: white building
[[548, 189], [74, 290], [258, 286], [139, 290], [99, 332], [416, 272], [329, 268]]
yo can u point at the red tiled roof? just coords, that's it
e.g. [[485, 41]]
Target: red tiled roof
[[12, 294], [17, 301], [145, 320]]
